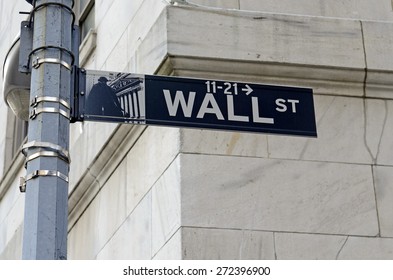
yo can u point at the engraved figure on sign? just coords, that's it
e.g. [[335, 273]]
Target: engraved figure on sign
[[102, 100]]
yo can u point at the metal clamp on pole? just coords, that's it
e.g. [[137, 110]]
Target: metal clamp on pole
[[50, 150], [38, 99], [46, 145], [36, 111], [37, 173], [38, 61], [22, 184], [47, 154]]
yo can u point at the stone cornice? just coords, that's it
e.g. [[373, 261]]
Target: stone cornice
[[333, 56]]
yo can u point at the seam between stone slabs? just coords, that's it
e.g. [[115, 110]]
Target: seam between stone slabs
[[376, 201], [285, 159], [286, 232], [342, 247]]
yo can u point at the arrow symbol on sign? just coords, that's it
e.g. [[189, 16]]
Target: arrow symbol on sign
[[247, 90]]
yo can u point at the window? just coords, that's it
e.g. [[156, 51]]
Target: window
[[86, 17], [85, 9], [20, 133], [16, 136]]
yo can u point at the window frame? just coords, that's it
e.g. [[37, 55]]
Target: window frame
[[16, 136], [88, 38], [83, 13]]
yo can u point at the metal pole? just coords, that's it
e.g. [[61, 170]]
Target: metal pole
[[46, 204]]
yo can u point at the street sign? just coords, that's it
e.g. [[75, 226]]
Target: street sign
[[196, 103]]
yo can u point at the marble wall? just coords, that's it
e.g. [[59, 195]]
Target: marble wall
[[141, 192], [356, 9]]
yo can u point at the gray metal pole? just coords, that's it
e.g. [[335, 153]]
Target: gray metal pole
[[46, 204]]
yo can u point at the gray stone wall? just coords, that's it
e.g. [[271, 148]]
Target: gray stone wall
[[163, 193], [355, 9]]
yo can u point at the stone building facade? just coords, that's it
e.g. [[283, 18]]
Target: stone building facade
[[144, 192]]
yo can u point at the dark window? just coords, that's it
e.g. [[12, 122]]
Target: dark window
[[16, 135], [86, 12]]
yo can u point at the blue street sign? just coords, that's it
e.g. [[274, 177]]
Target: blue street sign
[[197, 103]]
